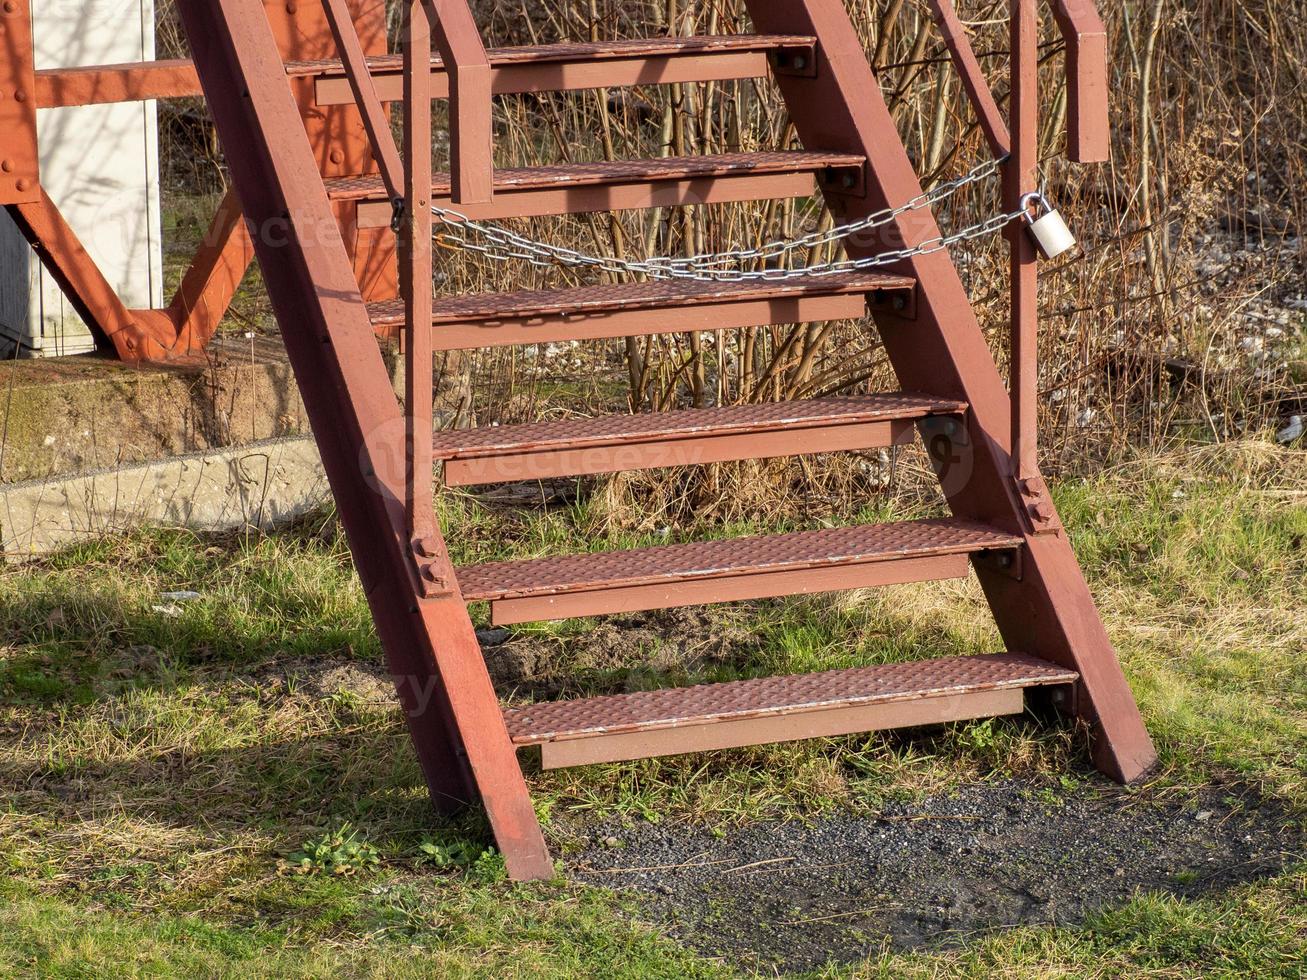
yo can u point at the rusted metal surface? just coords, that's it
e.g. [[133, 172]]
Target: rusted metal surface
[[599, 64], [726, 571], [621, 185], [1049, 611], [699, 560], [650, 295], [973, 78], [627, 309], [581, 432], [615, 443], [431, 647], [711, 704], [20, 167]]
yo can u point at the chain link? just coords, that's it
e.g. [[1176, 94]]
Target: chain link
[[502, 245]]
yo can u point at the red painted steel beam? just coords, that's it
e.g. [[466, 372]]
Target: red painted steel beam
[[214, 276], [1049, 612], [109, 84], [375, 119], [1020, 176], [1089, 134], [471, 150], [973, 79], [20, 165], [134, 337], [431, 647], [416, 271]]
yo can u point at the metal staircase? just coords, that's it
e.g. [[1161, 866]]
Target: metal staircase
[[381, 456]]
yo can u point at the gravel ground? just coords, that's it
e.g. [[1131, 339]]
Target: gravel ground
[[793, 896]]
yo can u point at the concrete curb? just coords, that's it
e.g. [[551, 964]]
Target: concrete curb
[[257, 485]]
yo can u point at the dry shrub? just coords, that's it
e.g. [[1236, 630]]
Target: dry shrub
[[1168, 326]]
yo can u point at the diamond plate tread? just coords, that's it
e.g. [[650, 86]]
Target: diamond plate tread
[[566, 175], [702, 560], [768, 696], [632, 296], [577, 433], [585, 51]]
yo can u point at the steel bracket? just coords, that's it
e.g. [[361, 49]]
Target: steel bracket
[[1038, 505], [435, 574], [846, 181], [796, 61], [901, 303], [20, 167], [1006, 562]]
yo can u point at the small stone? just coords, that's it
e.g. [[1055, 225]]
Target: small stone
[[612, 842], [492, 637], [1202, 816]]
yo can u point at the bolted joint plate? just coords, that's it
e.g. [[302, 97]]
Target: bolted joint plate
[[1038, 505]]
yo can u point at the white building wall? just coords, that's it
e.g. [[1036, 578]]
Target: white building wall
[[100, 165]]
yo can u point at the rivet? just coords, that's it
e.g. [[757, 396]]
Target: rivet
[[23, 183], [337, 156], [20, 96], [291, 8], [7, 166], [10, 6]]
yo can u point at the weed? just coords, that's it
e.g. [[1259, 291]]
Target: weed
[[338, 852]]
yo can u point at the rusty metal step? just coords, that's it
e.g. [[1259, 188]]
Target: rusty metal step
[[618, 185], [531, 68], [829, 560], [629, 309], [595, 64], [608, 444], [779, 709]]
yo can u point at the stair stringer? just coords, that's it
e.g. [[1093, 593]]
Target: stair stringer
[[1049, 612], [453, 713]]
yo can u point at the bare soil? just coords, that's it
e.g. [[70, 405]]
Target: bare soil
[[931, 874]]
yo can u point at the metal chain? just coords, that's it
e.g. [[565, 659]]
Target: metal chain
[[501, 244]]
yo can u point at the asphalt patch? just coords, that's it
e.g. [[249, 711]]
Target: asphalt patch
[[790, 896]]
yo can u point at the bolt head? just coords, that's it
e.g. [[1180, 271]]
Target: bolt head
[[1043, 511], [428, 547]]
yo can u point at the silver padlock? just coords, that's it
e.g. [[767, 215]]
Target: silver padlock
[[1052, 236]]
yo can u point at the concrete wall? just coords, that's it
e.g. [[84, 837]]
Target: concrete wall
[[100, 165]]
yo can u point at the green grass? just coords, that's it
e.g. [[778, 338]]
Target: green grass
[[166, 764]]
